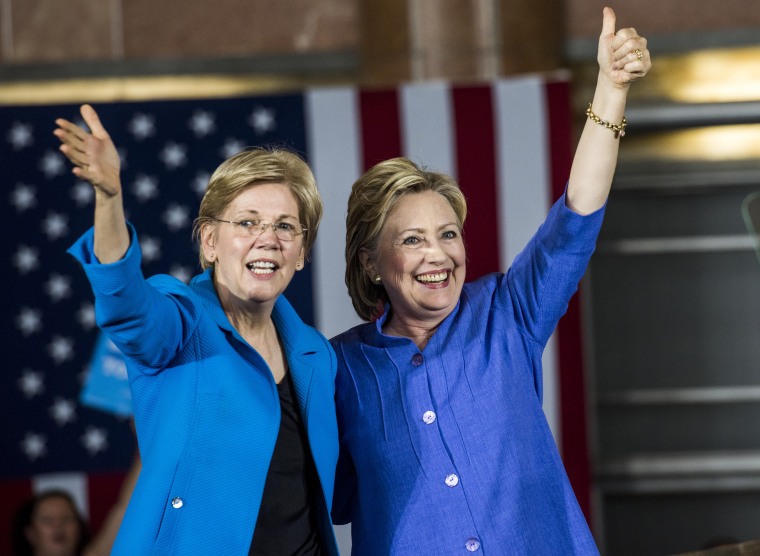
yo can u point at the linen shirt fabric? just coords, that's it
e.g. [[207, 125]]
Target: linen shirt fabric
[[206, 408], [447, 450]]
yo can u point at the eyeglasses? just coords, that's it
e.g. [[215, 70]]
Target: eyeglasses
[[285, 231]]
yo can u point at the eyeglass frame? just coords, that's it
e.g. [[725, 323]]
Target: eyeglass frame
[[262, 225]]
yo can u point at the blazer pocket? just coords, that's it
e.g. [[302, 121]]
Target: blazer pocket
[[178, 502]]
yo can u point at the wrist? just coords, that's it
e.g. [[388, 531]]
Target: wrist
[[609, 99]]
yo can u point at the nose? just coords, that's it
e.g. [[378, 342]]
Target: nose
[[263, 225], [435, 252], [266, 238]]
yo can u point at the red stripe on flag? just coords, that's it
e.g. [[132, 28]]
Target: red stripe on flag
[[476, 174], [575, 453], [103, 492], [380, 126], [12, 494], [560, 122]]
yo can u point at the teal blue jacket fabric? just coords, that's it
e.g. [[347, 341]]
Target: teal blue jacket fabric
[[206, 408]]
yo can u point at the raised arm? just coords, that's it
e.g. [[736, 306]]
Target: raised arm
[[623, 58], [95, 160]]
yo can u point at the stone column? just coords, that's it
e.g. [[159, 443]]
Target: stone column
[[402, 40]]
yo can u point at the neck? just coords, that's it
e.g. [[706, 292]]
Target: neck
[[419, 333]]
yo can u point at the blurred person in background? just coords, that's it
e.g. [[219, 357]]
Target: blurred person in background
[[49, 524]]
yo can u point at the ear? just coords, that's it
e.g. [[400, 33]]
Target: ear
[[208, 241], [301, 259], [368, 262]]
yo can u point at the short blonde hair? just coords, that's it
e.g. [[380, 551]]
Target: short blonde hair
[[258, 166], [372, 198]]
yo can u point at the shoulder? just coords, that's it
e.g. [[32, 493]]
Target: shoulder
[[482, 289], [359, 334]]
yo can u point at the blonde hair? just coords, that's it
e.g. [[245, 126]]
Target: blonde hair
[[258, 166], [372, 198]]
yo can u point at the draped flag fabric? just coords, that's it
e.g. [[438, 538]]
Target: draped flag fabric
[[508, 142]]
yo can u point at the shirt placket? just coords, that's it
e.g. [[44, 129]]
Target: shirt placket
[[423, 377]]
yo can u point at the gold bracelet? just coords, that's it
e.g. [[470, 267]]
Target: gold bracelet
[[618, 129]]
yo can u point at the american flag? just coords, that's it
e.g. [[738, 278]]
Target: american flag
[[508, 142]]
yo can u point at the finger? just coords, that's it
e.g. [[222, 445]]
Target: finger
[[633, 50], [70, 141], [608, 22], [71, 128], [93, 121], [626, 37], [76, 157]]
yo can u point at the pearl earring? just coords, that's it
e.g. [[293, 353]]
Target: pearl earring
[[377, 280]]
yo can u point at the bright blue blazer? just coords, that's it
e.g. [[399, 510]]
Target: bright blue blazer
[[206, 408]]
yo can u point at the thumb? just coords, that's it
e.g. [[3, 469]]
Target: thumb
[[608, 22], [93, 121]]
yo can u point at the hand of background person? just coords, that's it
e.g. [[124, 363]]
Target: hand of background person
[[623, 56], [93, 154]]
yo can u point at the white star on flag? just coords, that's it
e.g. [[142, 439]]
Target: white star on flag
[[231, 146], [82, 193], [200, 182], [52, 164], [202, 123], [62, 411], [181, 273], [55, 225], [23, 197], [151, 249], [31, 383], [33, 445], [173, 155], [86, 316], [20, 136], [29, 321], [26, 259], [60, 349], [58, 287], [94, 440], [262, 120], [142, 126], [176, 217], [145, 187]]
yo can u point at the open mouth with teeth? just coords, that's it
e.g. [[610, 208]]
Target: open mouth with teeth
[[433, 278], [262, 267]]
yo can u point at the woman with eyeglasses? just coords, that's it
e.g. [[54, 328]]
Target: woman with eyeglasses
[[233, 394], [444, 446]]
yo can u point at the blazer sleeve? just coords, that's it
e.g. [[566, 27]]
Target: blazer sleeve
[[545, 275], [148, 320]]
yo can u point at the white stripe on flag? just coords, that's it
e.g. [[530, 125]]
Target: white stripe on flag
[[427, 126], [334, 140], [525, 192], [522, 146], [73, 483]]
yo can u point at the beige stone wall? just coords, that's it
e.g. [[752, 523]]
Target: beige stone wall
[[393, 40], [51, 31], [660, 17]]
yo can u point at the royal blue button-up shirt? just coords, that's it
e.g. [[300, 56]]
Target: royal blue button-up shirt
[[447, 450]]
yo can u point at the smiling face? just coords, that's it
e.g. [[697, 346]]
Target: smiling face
[[54, 529], [251, 271], [421, 259]]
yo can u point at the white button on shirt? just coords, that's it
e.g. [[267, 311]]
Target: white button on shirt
[[452, 480], [428, 417], [177, 502], [472, 544]]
